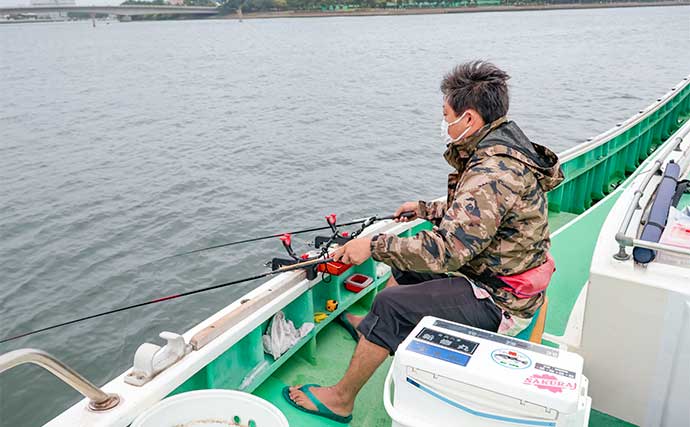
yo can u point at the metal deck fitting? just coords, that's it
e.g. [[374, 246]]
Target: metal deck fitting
[[98, 399]]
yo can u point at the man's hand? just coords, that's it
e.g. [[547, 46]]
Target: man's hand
[[406, 207], [354, 252]]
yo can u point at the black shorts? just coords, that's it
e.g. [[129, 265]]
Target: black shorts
[[398, 309]]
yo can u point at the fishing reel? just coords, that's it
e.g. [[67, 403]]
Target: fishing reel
[[323, 243]]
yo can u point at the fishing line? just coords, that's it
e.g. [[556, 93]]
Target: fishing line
[[273, 236], [293, 267]]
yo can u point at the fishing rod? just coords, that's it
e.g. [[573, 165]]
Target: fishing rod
[[302, 265], [331, 223], [278, 266]]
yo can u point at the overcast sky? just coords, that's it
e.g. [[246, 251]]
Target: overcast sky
[[6, 3]]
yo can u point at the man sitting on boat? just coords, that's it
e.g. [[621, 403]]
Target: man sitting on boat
[[484, 264]]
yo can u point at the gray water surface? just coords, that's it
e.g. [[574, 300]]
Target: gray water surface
[[128, 142]]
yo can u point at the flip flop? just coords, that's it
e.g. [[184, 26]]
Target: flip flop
[[342, 321], [321, 409]]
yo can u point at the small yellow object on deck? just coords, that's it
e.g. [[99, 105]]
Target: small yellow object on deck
[[331, 305], [319, 317]]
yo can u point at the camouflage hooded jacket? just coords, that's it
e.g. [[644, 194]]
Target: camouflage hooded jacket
[[494, 221]]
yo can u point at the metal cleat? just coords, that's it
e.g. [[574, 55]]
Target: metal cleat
[[151, 359]]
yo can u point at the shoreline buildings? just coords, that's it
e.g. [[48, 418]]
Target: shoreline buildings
[[53, 16]]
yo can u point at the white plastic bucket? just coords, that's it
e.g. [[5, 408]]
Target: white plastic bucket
[[212, 408]]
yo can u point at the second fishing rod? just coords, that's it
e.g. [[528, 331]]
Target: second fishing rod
[[304, 262]]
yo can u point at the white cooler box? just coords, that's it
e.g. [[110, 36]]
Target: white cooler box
[[446, 374]]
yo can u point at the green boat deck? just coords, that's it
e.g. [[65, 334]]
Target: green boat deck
[[335, 346], [577, 209], [334, 349]]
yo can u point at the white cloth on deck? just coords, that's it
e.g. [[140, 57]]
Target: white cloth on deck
[[281, 335]]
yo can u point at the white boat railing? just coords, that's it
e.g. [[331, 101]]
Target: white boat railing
[[625, 241]]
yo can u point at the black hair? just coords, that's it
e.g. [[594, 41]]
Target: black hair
[[479, 85]]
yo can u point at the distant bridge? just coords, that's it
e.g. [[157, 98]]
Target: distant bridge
[[124, 10]]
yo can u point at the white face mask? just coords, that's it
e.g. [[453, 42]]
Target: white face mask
[[447, 139]]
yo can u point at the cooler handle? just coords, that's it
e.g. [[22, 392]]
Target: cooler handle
[[398, 418]]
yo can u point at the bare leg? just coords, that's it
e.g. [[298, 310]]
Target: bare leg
[[340, 398], [355, 320]]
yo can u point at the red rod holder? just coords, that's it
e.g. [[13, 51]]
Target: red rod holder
[[286, 239]]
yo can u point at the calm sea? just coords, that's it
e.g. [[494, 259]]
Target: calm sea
[[127, 142]]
